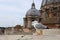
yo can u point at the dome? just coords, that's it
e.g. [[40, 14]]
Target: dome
[[33, 11], [49, 2]]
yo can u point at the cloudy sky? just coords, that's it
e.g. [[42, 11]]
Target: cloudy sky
[[13, 11]]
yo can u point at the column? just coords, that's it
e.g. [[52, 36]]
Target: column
[[29, 23], [25, 23]]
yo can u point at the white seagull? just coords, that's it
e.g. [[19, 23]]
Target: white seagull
[[38, 25]]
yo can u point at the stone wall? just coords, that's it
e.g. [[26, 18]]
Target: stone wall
[[47, 32], [51, 31]]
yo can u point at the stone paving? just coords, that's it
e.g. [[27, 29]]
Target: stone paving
[[29, 37]]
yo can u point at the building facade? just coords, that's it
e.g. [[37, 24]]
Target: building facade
[[50, 13]]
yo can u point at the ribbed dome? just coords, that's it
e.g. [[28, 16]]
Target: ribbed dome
[[49, 1], [33, 11]]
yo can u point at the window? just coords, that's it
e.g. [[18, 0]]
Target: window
[[46, 10], [54, 11], [59, 8], [54, 14]]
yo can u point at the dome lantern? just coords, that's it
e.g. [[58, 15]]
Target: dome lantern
[[33, 5]]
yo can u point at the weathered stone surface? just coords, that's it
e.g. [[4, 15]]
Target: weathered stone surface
[[29, 37]]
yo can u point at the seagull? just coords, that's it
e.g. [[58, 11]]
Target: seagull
[[38, 25]]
